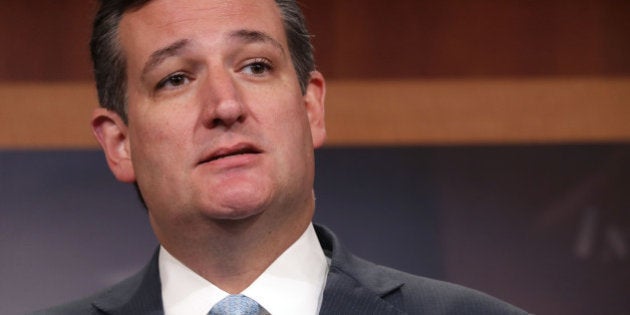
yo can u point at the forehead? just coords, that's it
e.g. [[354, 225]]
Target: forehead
[[161, 22]]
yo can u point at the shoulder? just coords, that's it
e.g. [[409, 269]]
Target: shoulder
[[405, 292], [133, 295], [82, 306], [439, 297]]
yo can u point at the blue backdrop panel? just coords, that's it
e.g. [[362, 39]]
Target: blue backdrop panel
[[68, 228], [544, 227]]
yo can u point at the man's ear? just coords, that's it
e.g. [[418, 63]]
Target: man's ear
[[314, 100], [111, 132]]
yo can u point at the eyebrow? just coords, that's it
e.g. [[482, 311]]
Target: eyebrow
[[251, 36], [160, 55], [247, 36]]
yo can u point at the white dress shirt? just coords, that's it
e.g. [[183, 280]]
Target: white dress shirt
[[292, 284]]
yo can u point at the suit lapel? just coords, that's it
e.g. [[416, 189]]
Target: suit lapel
[[140, 294], [344, 295], [355, 286]]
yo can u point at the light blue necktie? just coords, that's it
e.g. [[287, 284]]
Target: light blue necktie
[[236, 304]]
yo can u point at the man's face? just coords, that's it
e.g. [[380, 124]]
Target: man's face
[[218, 126]]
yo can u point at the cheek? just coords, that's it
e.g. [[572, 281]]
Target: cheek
[[157, 143], [157, 161], [159, 124], [294, 136]]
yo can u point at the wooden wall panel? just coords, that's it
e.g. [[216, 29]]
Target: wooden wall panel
[[455, 38], [45, 116], [372, 39], [479, 111], [377, 112], [470, 47], [45, 40]]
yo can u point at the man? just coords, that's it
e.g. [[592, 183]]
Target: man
[[213, 109]]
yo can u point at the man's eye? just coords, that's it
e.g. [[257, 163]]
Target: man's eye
[[257, 68], [173, 80]]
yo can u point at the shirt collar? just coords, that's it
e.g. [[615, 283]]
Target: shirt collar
[[292, 284]]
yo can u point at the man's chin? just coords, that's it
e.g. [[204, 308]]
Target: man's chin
[[236, 201], [235, 212]]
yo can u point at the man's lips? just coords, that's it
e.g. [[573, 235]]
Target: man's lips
[[238, 149]]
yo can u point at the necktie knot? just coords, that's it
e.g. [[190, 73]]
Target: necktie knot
[[236, 304]]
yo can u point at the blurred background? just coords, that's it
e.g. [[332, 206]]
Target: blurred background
[[483, 142]]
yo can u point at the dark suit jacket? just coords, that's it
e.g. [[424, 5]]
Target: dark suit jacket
[[353, 286]]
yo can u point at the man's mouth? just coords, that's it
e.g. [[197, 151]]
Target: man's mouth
[[239, 149]]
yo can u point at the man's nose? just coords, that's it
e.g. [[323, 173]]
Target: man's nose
[[223, 103]]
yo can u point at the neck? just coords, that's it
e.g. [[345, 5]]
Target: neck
[[233, 253]]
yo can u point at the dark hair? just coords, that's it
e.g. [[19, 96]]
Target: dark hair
[[110, 65]]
